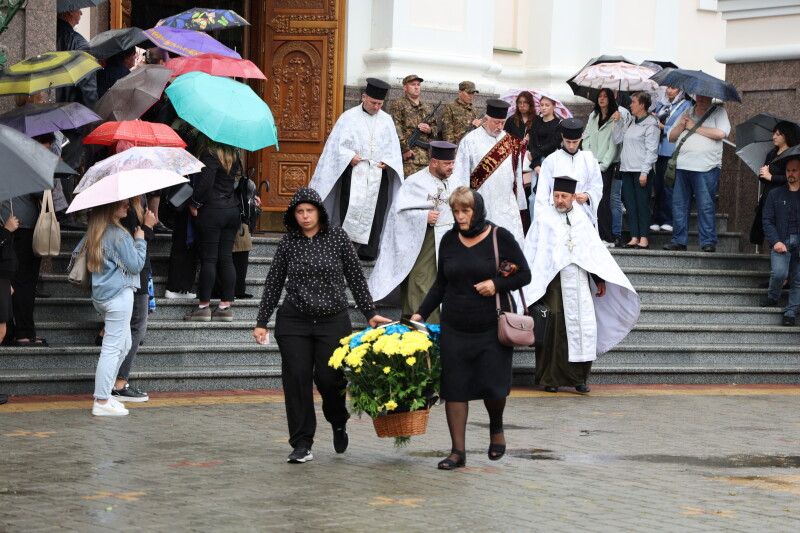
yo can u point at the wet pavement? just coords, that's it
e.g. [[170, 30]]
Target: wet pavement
[[623, 458]]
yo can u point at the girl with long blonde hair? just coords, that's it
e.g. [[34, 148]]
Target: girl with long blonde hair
[[114, 259]]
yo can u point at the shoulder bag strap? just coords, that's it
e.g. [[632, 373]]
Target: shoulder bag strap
[[497, 269], [696, 125]]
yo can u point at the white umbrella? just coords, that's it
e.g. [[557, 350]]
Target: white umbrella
[[124, 185], [617, 77], [177, 160]]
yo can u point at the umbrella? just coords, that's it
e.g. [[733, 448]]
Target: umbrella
[[125, 185], [781, 160], [131, 96], [112, 42], [45, 71], [754, 139], [698, 82], [616, 76], [658, 65], [37, 119], [588, 92], [659, 76], [227, 111], [138, 132], [202, 19], [27, 165], [561, 110], [63, 168], [71, 5], [175, 160], [216, 65], [187, 42]]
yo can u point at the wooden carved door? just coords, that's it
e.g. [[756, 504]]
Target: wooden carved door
[[303, 57]]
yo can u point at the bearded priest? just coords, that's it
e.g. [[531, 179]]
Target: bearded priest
[[418, 219], [565, 251], [489, 159], [361, 169]]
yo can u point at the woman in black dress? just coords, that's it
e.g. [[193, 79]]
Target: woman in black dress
[[475, 366]]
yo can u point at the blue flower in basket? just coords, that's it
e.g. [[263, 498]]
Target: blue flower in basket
[[355, 341]]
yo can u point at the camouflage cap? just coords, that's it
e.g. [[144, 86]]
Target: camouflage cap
[[412, 77], [467, 86]]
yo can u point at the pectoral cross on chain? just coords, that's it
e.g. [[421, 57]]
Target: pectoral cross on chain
[[570, 244], [373, 145], [438, 199]]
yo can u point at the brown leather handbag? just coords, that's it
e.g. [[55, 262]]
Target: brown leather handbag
[[513, 329]]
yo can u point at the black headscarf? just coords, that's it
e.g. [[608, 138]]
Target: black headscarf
[[478, 223]]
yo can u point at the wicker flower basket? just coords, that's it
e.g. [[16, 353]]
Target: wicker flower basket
[[402, 424]]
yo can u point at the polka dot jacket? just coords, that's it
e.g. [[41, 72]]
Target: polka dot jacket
[[314, 269]]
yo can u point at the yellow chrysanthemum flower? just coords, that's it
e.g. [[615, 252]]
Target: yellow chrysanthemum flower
[[391, 405], [411, 360], [358, 370], [346, 341], [372, 334], [356, 356], [387, 369], [338, 356]]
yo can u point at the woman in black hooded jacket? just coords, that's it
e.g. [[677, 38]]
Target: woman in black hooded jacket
[[312, 262]]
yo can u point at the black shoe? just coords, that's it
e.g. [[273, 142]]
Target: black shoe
[[709, 248], [675, 247], [3, 398], [243, 296], [629, 245], [582, 388], [301, 454], [129, 394], [496, 451], [98, 340], [40, 294], [618, 242], [788, 321], [340, 439], [551, 389], [768, 302], [450, 464], [161, 228]]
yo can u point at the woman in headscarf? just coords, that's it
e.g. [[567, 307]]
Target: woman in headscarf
[[475, 366]]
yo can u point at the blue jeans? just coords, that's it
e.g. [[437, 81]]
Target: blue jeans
[[616, 207], [703, 186], [116, 314], [786, 265]]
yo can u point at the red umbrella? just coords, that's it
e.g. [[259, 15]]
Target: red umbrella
[[138, 132], [216, 65]]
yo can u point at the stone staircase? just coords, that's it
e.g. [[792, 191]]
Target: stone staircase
[[700, 323]]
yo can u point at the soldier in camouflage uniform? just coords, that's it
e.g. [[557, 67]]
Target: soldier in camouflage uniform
[[408, 113], [460, 115]]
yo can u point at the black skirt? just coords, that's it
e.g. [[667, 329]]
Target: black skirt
[[475, 366]]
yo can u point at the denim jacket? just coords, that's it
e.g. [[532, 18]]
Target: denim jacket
[[123, 259]]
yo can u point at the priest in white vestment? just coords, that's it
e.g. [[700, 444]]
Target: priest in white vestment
[[418, 219], [570, 160], [565, 251], [490, 160], [361, 169]]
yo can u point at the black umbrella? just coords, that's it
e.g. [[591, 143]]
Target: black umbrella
[[112, 42], [71, 5], [588, 92], [698, 82], [651, 63], [27, 165], [659, 76], [785, 157]]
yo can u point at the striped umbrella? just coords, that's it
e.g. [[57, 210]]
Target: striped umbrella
[[138, 132], [187, 42], [46, 71]]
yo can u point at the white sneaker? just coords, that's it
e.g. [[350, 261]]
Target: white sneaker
[[179, 295], [654, 227], [608, 244], [666, 227], [112, 408]]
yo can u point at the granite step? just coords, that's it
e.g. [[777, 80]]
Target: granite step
[[727, 241], [714, 296], [690, 259], [677, 333]]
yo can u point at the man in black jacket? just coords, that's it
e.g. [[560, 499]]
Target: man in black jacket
[[782, 229]]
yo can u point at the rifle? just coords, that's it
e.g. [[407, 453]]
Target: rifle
[[472, 126], [414, 139]]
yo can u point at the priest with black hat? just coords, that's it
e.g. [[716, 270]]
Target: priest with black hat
[[490, 160], [361, 170], [565, 252], [418, 219], [570, 160]]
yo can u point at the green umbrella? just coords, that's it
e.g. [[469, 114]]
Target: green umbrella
[[227, 111]]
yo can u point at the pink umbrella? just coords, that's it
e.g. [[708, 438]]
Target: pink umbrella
[[124, 185], [561, 110]]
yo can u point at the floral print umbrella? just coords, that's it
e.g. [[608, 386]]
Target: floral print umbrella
[[202, 19], [560, 111]]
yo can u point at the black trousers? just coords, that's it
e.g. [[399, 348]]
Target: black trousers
[[216, 232], [369, 250], [182, 258], [240, 260], [306, 345], [24, 283], [604, 218]]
